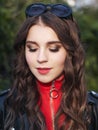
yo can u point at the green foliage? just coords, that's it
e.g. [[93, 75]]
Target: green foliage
[[9, 20], [11, 17], [88, 22]]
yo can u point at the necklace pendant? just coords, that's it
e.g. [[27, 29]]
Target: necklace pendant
[[54, 93]]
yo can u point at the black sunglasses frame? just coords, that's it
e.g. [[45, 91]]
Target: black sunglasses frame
[[60, 10]]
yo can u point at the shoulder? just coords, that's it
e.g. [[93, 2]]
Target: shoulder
[[93, 104], [92, 97], [3, 95], [4, 92]]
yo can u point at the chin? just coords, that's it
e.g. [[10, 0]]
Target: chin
[[45, 81]]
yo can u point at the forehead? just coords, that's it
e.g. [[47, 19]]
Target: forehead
[[41, 33]]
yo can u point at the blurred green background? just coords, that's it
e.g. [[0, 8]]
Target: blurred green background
[[11, 17]]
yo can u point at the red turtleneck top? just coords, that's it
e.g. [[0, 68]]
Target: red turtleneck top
[[50, 100]]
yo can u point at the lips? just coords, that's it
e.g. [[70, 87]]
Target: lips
[[43, 70]]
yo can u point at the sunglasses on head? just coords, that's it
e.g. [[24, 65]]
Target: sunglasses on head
[[60, 10]]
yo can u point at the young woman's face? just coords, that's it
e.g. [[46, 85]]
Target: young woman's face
[[45, 55]]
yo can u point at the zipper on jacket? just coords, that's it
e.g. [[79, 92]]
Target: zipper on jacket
[[52, 98], [52, 112]]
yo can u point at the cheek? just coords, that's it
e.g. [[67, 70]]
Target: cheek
[[60, 59], [61, 62], [28, 58]]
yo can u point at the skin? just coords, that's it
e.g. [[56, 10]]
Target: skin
[[45, 54]]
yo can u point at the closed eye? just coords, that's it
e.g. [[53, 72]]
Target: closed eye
[[32, 49], [55, 48]]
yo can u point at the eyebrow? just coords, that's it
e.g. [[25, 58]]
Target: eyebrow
[[49, 43]]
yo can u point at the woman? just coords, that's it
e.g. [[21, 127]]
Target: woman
[[48, 91]]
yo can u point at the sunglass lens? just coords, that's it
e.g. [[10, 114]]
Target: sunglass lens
[[61, 11], [35, 10]]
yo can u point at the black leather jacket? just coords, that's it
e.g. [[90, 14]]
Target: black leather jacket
[[92, 101]]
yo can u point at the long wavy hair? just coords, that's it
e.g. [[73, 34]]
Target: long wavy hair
[[24, 96]]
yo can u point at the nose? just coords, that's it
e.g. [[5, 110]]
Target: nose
[[42, 56]]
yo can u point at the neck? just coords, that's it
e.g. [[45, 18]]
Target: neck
[[56, 82]]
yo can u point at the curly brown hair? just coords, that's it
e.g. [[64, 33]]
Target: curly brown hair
[[24, 95]]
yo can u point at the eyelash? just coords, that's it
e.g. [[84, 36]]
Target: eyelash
[[55, 49], [32, 50]]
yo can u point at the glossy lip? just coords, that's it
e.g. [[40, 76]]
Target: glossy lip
[[43, 70]]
